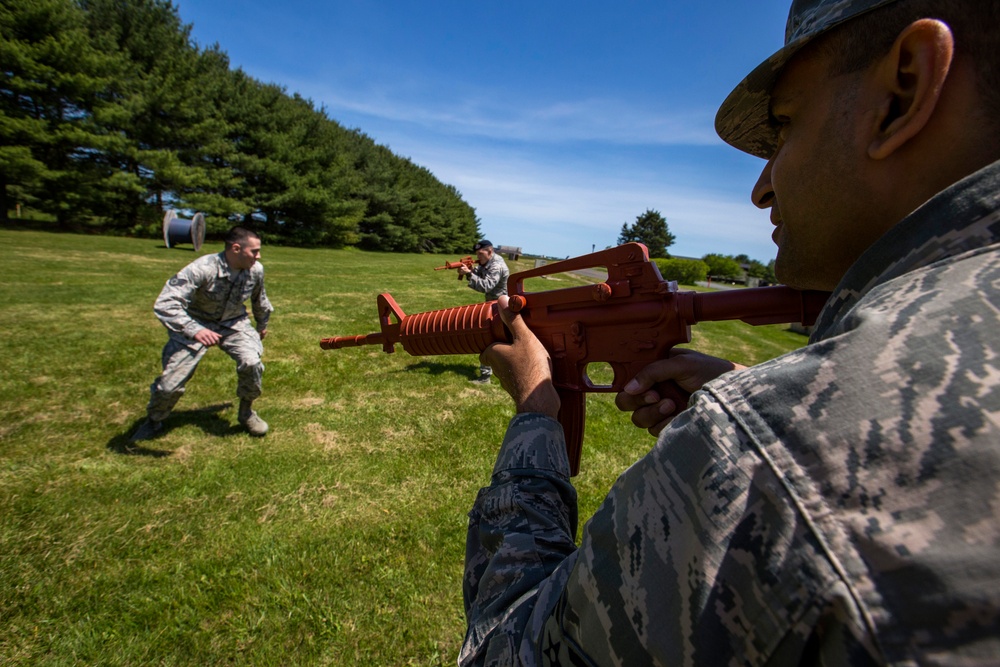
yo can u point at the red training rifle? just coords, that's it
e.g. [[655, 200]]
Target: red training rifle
[[465, 261], [627, 321]]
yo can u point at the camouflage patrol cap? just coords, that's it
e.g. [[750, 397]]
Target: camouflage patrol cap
[[743, 120]]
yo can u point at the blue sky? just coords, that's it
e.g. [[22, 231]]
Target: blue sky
[[558, 121]]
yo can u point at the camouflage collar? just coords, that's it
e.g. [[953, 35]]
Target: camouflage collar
[[226, 271], [963, 218]]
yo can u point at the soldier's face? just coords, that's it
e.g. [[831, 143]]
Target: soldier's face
[[484, 254], [818, 184], [245, 255]]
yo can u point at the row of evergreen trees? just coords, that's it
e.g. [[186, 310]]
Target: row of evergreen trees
[[109, 114]]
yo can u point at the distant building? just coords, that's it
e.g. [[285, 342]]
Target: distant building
[[512, 253]]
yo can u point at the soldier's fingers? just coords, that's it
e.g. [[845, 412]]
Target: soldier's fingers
[[655, 373], [655, 430], [628, 402], [655, 415], [690, 370], [512, 320]]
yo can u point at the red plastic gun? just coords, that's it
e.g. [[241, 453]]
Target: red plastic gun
[[465, 261], [627, 321]]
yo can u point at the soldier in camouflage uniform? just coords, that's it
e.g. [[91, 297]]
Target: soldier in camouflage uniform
[[490, 277], [202, 306], [839, 505]]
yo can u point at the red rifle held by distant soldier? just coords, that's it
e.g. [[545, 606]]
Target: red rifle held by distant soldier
[[627, 321], [465, 261]]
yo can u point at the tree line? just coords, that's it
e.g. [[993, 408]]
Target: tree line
[[110, 114], [650, 228]]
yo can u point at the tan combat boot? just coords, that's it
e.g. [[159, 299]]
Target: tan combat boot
[[250, 419], [147, 431]]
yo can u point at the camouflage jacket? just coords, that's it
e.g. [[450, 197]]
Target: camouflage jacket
[[490, 278], [839, 505], [207, 293]]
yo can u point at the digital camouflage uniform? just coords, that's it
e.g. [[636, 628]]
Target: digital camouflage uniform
[[837, 505], [208, 294], [491, 279]]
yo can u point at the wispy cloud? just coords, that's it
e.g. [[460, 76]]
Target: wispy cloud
[[565, 209], [497, 114], [556, 137], [503, 155]]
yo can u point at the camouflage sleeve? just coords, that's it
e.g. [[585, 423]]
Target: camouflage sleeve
[[260, 304], [521, 529], [171, 306], [491, 275], [697, 556]]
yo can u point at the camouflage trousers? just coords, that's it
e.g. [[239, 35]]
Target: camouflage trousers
[[181, 357]]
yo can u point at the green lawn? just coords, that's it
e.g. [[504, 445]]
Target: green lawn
[[336, 540]]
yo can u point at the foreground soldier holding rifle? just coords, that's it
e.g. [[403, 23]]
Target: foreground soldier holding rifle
[[837, 505]]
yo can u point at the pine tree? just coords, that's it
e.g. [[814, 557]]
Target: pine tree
[[50, 85], [651, 230]]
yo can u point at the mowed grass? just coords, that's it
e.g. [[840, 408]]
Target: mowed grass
[[338, 539]]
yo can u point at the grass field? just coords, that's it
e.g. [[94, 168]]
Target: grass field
[[336, 540]]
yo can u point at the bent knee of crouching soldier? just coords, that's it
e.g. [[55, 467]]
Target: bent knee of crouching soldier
[[245, 348], [249, 378], [180, 360]]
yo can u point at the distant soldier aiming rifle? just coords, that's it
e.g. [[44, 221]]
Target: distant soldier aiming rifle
[[488, 275]]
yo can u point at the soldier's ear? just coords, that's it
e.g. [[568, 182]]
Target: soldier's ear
[[910, 78]]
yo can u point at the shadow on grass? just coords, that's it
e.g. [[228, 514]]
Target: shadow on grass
[[206, 418], [467, 371]]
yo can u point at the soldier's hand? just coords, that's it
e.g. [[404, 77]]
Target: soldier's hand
[[207, 337], [464, 270], [262, 333], [688, 369], [523, 366]]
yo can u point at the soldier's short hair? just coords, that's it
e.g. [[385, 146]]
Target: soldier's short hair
[[239, 234], [857, 44]]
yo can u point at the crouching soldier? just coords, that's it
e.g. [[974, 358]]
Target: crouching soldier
[[203, 306]]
